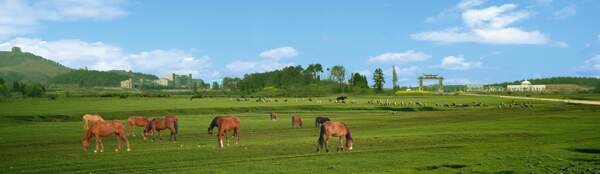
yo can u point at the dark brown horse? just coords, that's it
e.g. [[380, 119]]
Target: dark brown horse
[[273, 116], [225, 124], [104, 129], [134, 121], [320, 120], [296, 121], [336, 129], [157, 124]]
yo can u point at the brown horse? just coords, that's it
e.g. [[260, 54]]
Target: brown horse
[[104, 129], [91, 117], [273, 116], [225, 124], [157, 124], [134, 121], [336, 129], [296, 121]]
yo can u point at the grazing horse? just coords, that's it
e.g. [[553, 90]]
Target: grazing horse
[[104, 129], [320, 120], [225, 124], [273, 116], [157, 124], [336, 129], [134, 121], [296, 121], [91, 117]]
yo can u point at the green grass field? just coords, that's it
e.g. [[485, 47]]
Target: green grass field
[[44, 136]]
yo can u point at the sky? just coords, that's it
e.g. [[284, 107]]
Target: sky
[[465, 41]]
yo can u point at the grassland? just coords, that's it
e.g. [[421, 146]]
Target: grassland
[[44, 136]]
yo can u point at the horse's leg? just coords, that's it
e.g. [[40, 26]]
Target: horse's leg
[[159, 137], [339, 145], [118, 136], [97, 144], [326, 143], [237, 135], [300, 123], [124, 138], [226, 139], [101, 143], [172, 138]]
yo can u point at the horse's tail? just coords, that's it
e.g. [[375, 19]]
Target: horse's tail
[[322, 136]]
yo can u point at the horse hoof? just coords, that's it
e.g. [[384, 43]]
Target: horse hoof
[[95, 151], [101, 151], [116, 150], [128, 149]]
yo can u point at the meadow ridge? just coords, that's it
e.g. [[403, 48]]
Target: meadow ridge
[[547, 138]]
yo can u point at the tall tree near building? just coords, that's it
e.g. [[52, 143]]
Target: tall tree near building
[[379, 80], [338, 74], [394, 78]]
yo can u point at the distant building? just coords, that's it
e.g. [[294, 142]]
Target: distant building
[[495, 89], [474, 88], [526, 86], [171, 80]]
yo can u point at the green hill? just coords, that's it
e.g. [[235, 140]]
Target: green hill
[[16, 65]]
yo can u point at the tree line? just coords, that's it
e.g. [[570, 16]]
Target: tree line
[[25, 89], [300, 81]]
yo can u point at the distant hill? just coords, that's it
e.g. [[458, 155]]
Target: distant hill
[[581, 81], [97, 78], [22, 66]]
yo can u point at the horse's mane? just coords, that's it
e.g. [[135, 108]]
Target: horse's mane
[[214, 122], [348, 135], [89, 134]]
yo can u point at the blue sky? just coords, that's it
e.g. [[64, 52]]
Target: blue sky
[[466, 41]]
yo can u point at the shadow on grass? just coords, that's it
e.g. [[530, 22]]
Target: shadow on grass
[[434, 167], [585, 150]]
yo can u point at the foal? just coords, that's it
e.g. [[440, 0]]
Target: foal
[[157, 124], [104, 129], [134, 121]]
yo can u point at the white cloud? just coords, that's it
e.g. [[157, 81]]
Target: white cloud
[[19, 17], [402, 57], [560, 44], [491, 25], [458, 63], [279, 53], [592, 64], [100, 56], [565, 12], [248, 66], [467, 4]]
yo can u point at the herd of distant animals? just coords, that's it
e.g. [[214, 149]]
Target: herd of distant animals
[[104, 128]]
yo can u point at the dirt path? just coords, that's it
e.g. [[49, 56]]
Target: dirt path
[[587, 102]]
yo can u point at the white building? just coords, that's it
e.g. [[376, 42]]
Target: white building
[[474, 88], [526, 86]]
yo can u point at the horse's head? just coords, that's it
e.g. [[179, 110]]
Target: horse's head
[[148, 131], [86, 144], [349, 143], [210, 131]]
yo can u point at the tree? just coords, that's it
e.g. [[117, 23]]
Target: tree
[[394, 78], [358, 80], [379, 80], [338, 74], [215, 86]]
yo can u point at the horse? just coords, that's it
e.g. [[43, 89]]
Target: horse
[[336, 129], [296, 121], [91, 117], [320, 120], [134, 121], [157, 124], [104, 129], [273, 116], [225, 124]]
